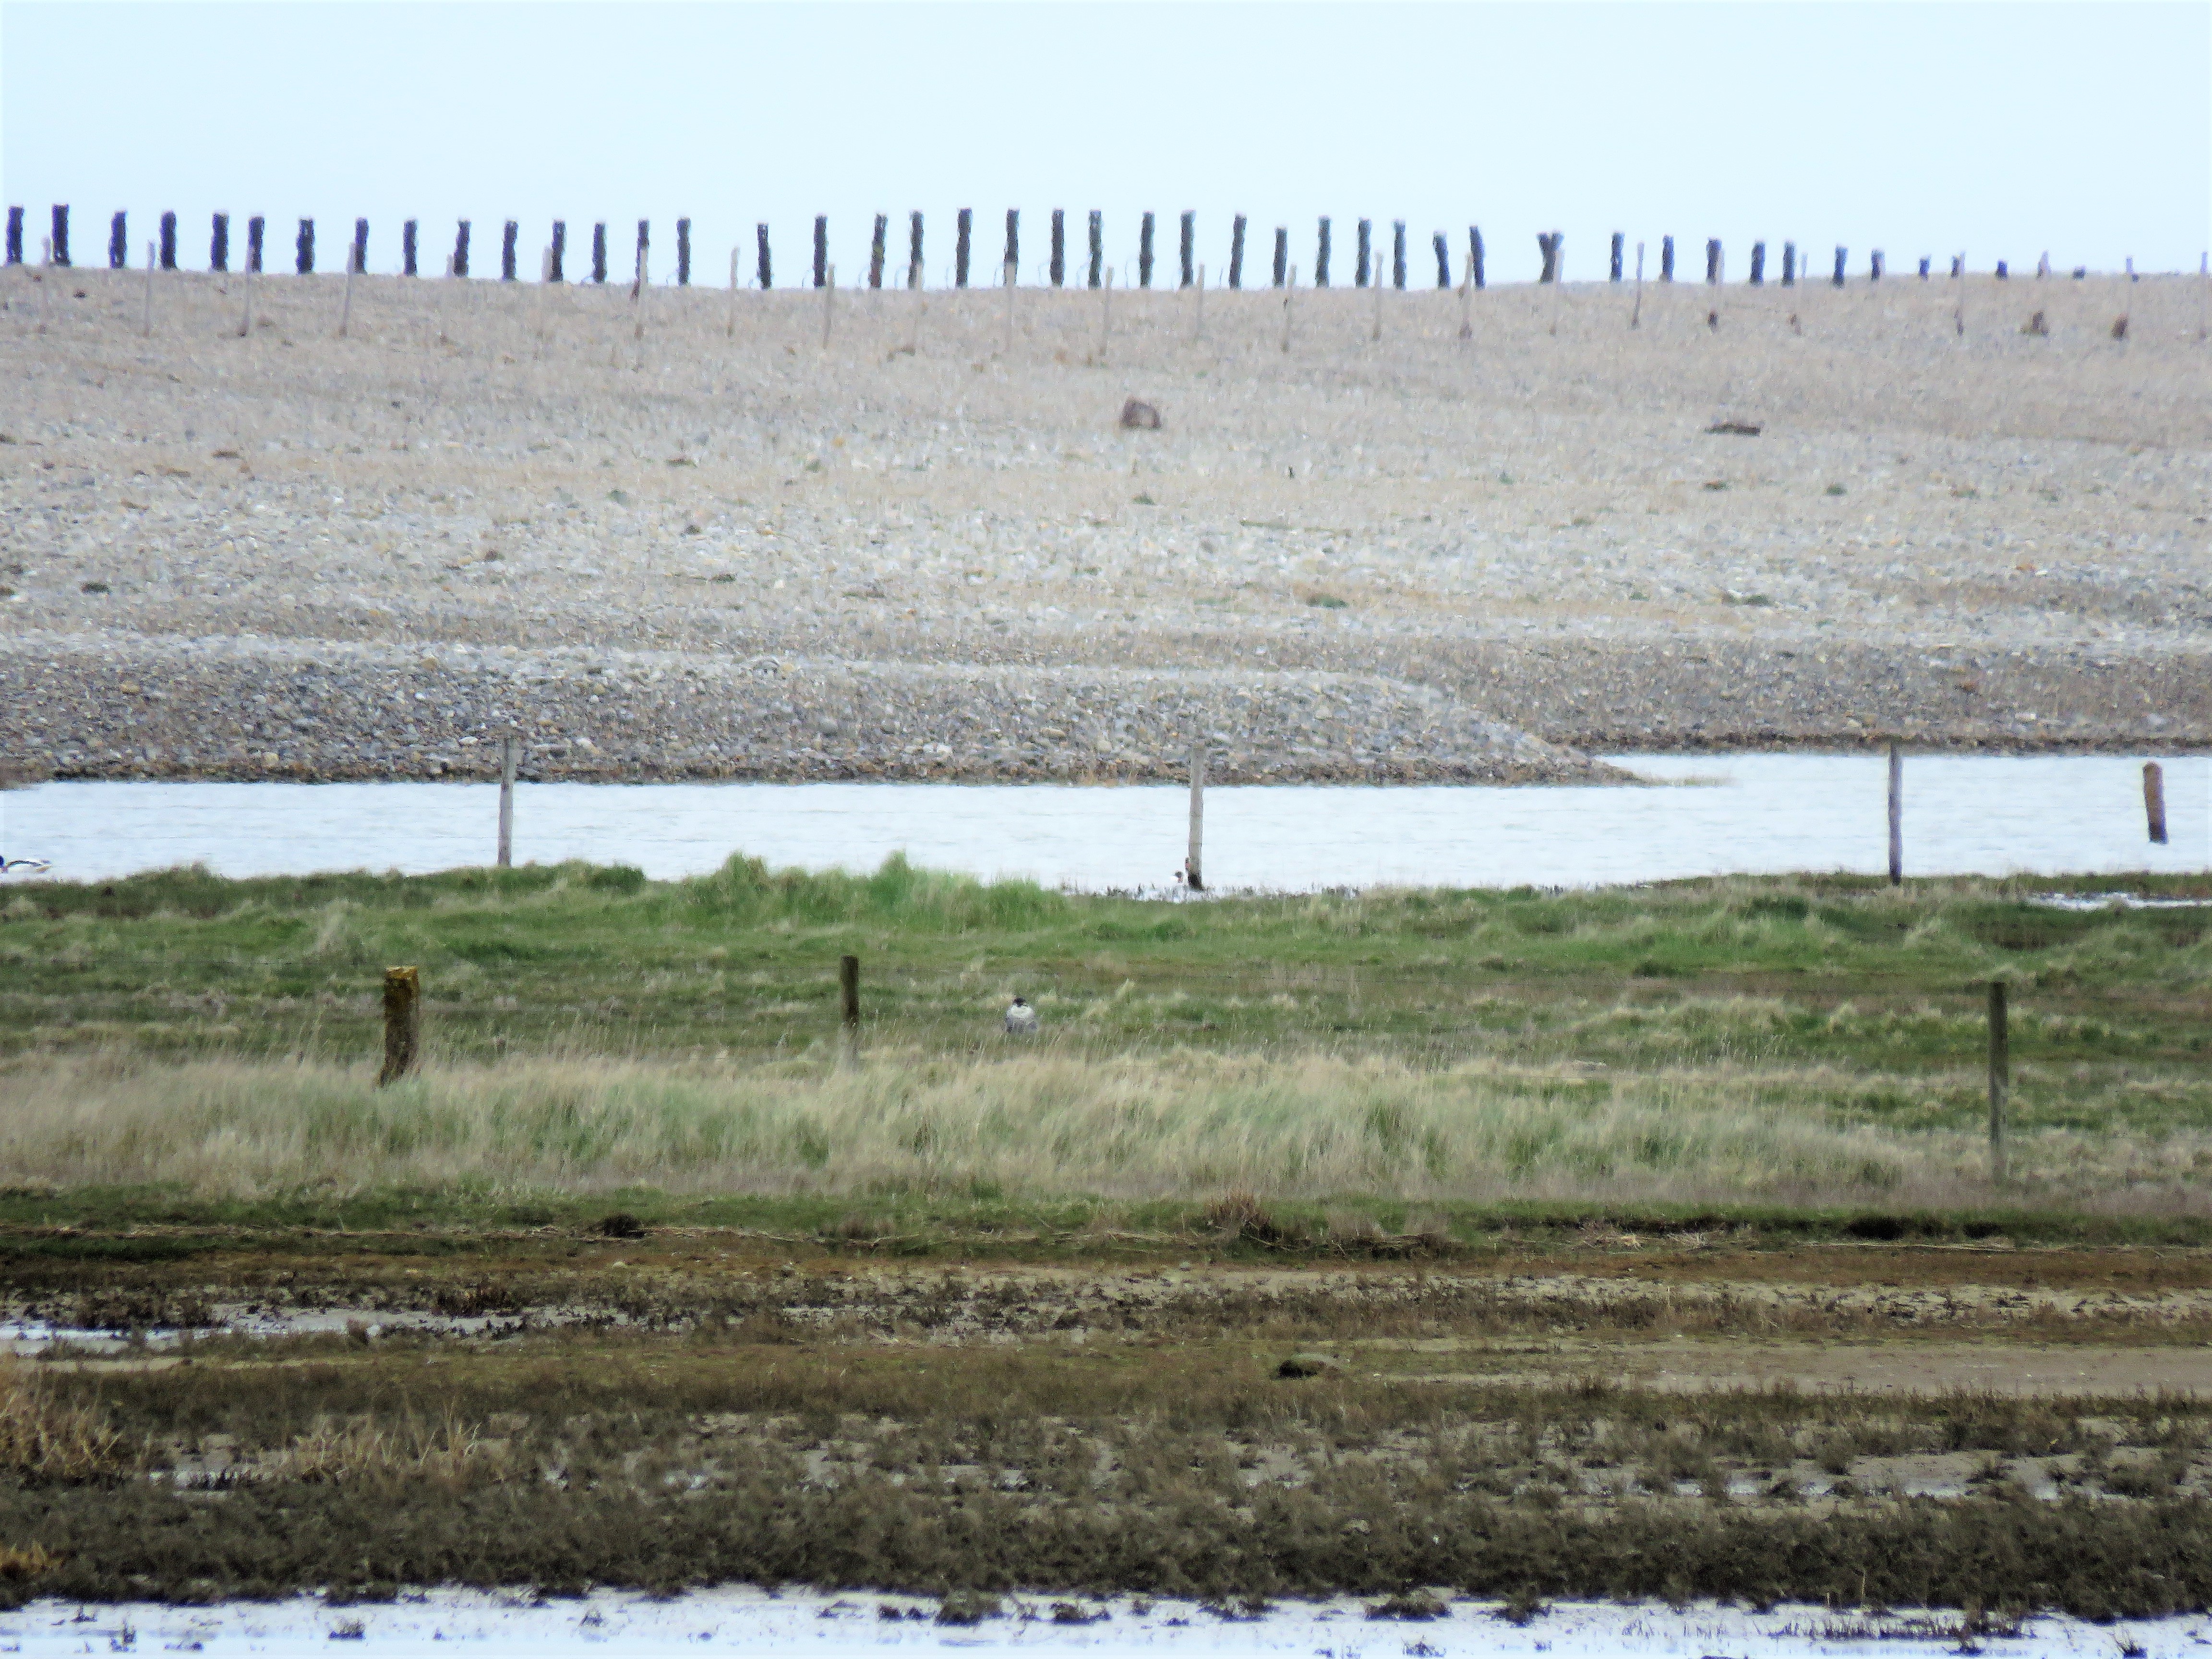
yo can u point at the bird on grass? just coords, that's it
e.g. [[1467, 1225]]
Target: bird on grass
[[23, 866], [1021, 1018]]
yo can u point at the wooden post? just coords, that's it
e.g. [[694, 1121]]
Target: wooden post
[[402, 1023], [1188, 249], [848, 1009], [507, 748], [914, 251], [2000, 1079], [1192, 864], [151, 255], [2154, 800], [1896, 815], [1058, 271], [963, 229], [828, 301], [1636, 315], [1145, 252], [821, 277], [1237, 252], [876, 251]]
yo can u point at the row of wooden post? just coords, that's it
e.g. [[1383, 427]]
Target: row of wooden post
[[2154, 786]]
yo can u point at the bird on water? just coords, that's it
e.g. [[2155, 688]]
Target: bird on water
[[1021, 1018]]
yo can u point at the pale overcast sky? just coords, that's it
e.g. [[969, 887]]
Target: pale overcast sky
[[2001, 129]]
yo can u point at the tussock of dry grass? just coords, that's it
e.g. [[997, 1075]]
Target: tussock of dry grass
[[1180, 1125]]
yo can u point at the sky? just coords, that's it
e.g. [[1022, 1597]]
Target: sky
[[1999, 130]]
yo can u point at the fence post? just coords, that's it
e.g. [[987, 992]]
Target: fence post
[[2000, 1079], [1444, 259], [1237, 252], [1191, 866], [876, 251], [169, 241], [60, 253], [510, 233], [1666, 259], [1013, 239], [1398, 253], [1189, 248], [763, 272], [964, 228], [1098, 245], [507, 748], [1612, 267], [599, 252], [821, 250], [1321, 254], [1838, 281], [848, 1010], [303, 249], [1366, 252], [1474, 252], [1145, 252], [255, 228], [2154, 800], [644, 250], [682, 253], [913, 251], [1059, 271], [402, 1024], [1789, 264], [14, 236], [1758, 264], [1896, 814], [1712, 261], [119, 242], [219, 243], [556, 267], [1282, 255]]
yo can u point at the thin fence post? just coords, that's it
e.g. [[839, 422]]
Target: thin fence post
[[876, 251], [460, 248], [1666, 259], [1896, 815], [1059, 267], [557, 266], [1145, 252], [1474, 252], [1612, 266], [168, 241], [914, 251], [1789, 264], [1398, 253], [963, 229], [407, 261], [2154, 800], [599, 252], [1188, 249], [1097, 245], [1237, 252], [2000, 1079], [1014, 255], [1366, 249], [682, 253], [821, 250], [510, 237], [219, 244], [1282, 255], [507, 748], [764, 271], [1758, 264], [402, 1024], [1193, 865], [848, 1010], [1320, 253], [1444, 259]]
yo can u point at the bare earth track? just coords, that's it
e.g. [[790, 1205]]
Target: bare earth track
[[724, 550]]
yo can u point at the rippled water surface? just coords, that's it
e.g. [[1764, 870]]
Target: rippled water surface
[[1963, 814]]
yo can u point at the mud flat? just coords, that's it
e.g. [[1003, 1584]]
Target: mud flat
[[728, 550]]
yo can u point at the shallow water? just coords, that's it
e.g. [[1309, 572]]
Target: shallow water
[[813, 1623], [1749, 813]]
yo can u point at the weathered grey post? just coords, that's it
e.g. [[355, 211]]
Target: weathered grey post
[[507, 747], [821, 249], [1098, 245], [460, 249], [1398, 254], [58, 253], [2000, 1079], [1145, 252], [1237, 252], [876, 250], [912, 250], [1189, 250], [644, 250], [763, 271], [1282, 255], [219, 243], [119, 242], [555, 266], [1838, 279], [848, 1010], [1321, 254], [1474, 252], [303, 249], [169, 241], [1875, 266], [1612, 266], [1013, 239], [1666, 259], [599, 252], [964, 229], [1789, 264], [255, 228], [1366, 253], [510, 233], [1192, 866], [1547, 245], [14, 236], [402, 1024], [407, 248], [682, 253], [1896, 815], [1758, 264], [1059, 267], [2154, 800], [1443, 258], [1712, 261]]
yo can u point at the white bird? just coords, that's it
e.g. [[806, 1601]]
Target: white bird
[[22, 866], [1021, 1018]]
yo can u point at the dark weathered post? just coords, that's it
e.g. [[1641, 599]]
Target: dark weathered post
[[461, 248], [1013, 256], [1923, 268], [555, 265], [219, 243], [1145, 253], [402, 1024], [914, 272], [168, 241], [2003, 270], [1097, 246], [2154, 800], [254, 229], [2000, 1079], [303, 249], [509, 233], [14, 236], [876, 240], [1237, 252], [407, 248], [848, 1009], [1366, 254], [1474, 252], [1896, 815], [599, 251], [1758, 264], [1547, 245], [1613, 268], [1666, 259], [60, 252], [1875, 265], [359, 257], [764, 271], [643, 266], [1321, 254], [682, 253], [1442, 250], [1840, 268], [507, 748], [1712, 261], [1282, 254], [1958, 266], [1398, 253], [1059, 271], [821, 250], [119, 242], [1193, 870], [963, 231], [1188, 250], [1789, 264]]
